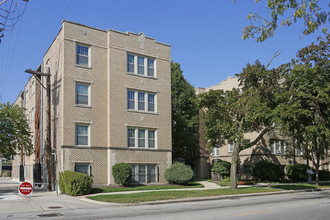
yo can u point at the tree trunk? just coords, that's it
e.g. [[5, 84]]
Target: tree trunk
[[0, 166], [317, 177], [233, 168]]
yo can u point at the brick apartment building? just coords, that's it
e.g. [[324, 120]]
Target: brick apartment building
[[272, 147], [110, 103]]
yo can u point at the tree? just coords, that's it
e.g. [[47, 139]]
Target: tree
[[185, 136], [14, 131], [231, 114], [285, 13], [304, 112]]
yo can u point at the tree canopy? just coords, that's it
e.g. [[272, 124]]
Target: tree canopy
[[185, 136], [230, 114], [14, 131], [304, 109], [285, 13]]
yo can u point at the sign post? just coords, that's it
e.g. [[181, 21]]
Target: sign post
[[25, 188]]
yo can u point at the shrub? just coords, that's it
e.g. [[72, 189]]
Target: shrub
[[222, 167], [225, 182], [267, 171], [74, 183], [323, 175], [122, 173], [297, 172], [179, 173]]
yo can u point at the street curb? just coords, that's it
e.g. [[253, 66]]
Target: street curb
[[199, 199]]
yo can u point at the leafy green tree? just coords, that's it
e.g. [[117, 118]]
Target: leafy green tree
[[14, 131], [185, 136], [304, 109], [285, 13], [231, 114]]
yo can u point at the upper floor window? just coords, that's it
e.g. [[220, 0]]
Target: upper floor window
[[82, 135], [82, 94], [215, 151], [82, 55], [141, 138], [140, 65], [141, 101], [231, 148], [277, 147]]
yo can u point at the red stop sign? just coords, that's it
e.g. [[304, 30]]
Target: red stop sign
[[25, 188]]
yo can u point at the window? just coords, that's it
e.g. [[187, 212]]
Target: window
[[144, 173], [277, 147], [32, 114], [215, 151], [131, 137], [142, 63], [130, 63], [230, 148], [82, 168], [141, 101], [82, 94], [151, 102], [247, 169], [299, 152], [130, 100], [151, 69], [82, 137], [82, 55], [151, 139], [141, 138]]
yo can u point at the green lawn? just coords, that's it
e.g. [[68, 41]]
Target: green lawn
[[299, 186], [138, 188], [165, 195]]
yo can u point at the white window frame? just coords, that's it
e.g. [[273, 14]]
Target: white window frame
[[277, 147], [145, 64], [137, 138], [137, 101], [83, 55], [230, 148], [215, 152], [136, 174], [88, 134], [88, 94]]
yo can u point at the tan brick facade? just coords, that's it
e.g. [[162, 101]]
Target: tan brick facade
[[106, 115]]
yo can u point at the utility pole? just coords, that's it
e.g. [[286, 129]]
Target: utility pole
[[48, 138]]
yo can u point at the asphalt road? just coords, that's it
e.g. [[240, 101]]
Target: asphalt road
[[306, 205]]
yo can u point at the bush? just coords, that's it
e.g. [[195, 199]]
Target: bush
[[225, 182], [222, 167], [323, 175], [297, 172], [74, 183], [179, 173], [267, 171], [122, 173]]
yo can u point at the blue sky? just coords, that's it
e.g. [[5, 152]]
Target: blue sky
[[205, 36]]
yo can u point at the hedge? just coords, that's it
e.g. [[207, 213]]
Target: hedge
[[222, 167], [74, 183], [122, 173], [267, 171], [179, 173]]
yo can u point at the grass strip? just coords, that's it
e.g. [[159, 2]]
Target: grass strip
[[139, 188], [167, 195], [298, 186]]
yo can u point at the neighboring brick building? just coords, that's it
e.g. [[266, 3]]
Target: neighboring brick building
[[272, 147], [110, 103]]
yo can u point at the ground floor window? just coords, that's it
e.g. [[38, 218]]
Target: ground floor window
[[144, 173], [83, 168]]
